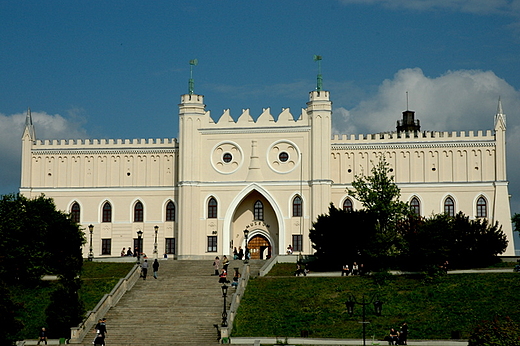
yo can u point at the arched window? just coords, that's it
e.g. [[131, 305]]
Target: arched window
[[259, 210], [75, 212], [347, 204], [107, 212], [449, 206], [416, 206], [297, 206], [212, 208], [138, 212], [170, 211], [481, 207]]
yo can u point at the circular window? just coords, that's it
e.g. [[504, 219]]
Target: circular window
[[227, 157], [283, 156]]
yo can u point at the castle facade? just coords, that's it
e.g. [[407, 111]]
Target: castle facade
[[193, 197]]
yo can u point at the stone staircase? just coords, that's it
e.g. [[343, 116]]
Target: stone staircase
[[179, 308]]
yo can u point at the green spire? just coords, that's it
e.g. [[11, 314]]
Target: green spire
[[319, 83], [193, 62]]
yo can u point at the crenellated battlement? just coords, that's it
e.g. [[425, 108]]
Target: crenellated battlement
[[425, 136], [105, 143], [285, 118]]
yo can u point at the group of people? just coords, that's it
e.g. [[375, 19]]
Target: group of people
[[144, 268], [101, 332], [355, 269], [240, 255], [125, 252], [398, 337], [222, 273]]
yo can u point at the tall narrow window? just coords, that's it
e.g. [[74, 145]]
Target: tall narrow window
[[297, 242], [107, 212], [259, 210], [212, 243], [449, 207], [106, 246], [347, 205], [170, 211], [170, 246], [138, 212], [212, 208], [75, 212], [416, 206], [297, 206], [481, 207]]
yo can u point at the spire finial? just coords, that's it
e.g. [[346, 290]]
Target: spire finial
[[319, 83], [191, 82], [407, 108], [499, 108]]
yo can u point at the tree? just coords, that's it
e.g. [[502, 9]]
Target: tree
[[341, 237], [516, 222], [380, 196], [462, 242], [38, 239]]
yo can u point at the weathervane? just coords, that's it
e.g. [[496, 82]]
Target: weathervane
[[319, 84], [193, 62]]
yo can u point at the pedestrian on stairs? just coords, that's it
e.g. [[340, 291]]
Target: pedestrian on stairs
[[216, 265], [144, 269], [155, 267]]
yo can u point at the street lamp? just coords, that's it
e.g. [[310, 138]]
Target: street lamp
[[246, 233], [139, 235], [156, 228], [90, 253], [351, 302], [224, 312]]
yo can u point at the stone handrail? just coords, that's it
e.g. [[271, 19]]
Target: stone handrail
[[109, 300]]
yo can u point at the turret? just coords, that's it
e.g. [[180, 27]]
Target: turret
[[28, 140]]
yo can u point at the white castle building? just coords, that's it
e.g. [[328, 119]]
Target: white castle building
[[194, 196]]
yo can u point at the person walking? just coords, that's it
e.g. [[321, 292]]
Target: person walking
[[225, 262], [42, 336], [155, 267], [144, 269], [99, 340], [216, 265]]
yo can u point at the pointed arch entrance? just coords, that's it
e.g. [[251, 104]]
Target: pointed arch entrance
[[256, 211], [259, 247]]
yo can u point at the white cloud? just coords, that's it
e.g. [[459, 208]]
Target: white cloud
[[455, 101], [47, 127], [485, 7]]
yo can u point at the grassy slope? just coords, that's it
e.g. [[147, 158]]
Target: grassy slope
[[283, 306], [98, 279]]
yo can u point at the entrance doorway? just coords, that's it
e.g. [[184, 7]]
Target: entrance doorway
[[259, 247]]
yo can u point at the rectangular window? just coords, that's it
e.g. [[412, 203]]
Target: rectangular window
[[212, 243], [297, 242], [106, 246], [170, 246], [138, 246]]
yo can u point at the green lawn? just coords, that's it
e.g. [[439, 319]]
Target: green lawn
[[98, 279], [280, 306]]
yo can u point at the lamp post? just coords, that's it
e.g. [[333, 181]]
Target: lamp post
[[156, 228], [351, 302], [246, 260], [90, 253], [224, 312], [139, 235]]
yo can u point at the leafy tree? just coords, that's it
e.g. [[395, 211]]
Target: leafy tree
[[342, 237], [460, 241], [498, 332], [66, 308], [380, 196], [37, 239], [10, 323]]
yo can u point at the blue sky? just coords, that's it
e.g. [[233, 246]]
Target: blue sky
[[116, 69]]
